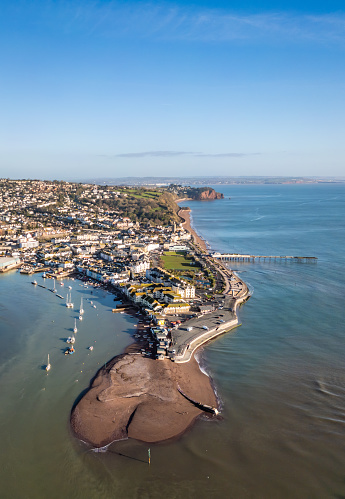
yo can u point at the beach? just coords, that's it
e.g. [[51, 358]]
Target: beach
[[185, 215]]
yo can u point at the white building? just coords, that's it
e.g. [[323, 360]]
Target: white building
[[27, 241], [140, 267], [184, 291]]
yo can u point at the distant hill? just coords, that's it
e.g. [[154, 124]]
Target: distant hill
[[210, 180]]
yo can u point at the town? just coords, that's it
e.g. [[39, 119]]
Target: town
[[132, 242]]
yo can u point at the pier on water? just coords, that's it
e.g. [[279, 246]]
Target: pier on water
[[235, 257]]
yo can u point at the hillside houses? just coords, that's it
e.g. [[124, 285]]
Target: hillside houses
[[75, 226]]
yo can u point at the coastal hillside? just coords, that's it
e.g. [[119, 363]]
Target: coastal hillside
[[151, 205]]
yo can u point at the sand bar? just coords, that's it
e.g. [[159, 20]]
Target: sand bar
[[138, 397]]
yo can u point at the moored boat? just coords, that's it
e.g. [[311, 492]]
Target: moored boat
[[69, 303], [48, 366]]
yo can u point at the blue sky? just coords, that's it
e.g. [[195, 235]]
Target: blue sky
[[126, 88]]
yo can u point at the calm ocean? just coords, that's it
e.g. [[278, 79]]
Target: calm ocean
[[280, 376]]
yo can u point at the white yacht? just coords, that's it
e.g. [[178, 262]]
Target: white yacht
[[75, 329], [81, 310], [91, 348], [70, 339], [80, 317], [69, 303]]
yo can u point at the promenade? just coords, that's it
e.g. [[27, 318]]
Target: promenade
[[198, 330]]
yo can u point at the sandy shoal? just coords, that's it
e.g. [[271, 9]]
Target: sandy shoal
[[185, 214], [138, 397]]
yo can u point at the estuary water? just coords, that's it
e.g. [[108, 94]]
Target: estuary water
[[280, 376]]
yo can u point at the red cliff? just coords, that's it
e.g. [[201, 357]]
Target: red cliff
[[210, 194]]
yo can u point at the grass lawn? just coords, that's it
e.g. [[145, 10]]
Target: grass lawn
[[177, 261]]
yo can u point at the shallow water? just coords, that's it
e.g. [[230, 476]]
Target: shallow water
[[280, 376]]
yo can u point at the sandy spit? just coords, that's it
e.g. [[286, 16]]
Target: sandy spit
[[137, 397]]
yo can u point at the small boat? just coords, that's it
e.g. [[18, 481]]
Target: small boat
[[91, 302], [61, 283], [54, 288], [69, 287], [44, 275], [75, 329], [94, 306], [80, 317], [34, 283], [48, 366], [81, 310], [91, 348], [70, 350], [70, 339]]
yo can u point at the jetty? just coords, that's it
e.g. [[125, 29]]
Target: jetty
[[237, 257]]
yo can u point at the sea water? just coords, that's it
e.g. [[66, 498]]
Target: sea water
[[280, 376]]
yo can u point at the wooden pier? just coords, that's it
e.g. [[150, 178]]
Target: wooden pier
[[236, 257]]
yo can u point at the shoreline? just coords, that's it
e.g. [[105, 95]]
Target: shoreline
[[138, 397], [185, 215]]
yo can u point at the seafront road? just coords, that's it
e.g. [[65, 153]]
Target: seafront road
[[198, 330]]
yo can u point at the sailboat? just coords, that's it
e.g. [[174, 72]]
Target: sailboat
[[81, 310], [48, 366], [75, 329], [69, 303], [54, 288]]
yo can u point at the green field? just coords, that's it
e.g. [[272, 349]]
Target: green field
[[177, 261], [141, 194]]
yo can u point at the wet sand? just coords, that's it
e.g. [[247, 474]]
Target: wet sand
[[137, 397]]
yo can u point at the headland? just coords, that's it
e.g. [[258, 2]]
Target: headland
[[152, 400]]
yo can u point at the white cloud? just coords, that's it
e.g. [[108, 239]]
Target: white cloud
[[171, 22]]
